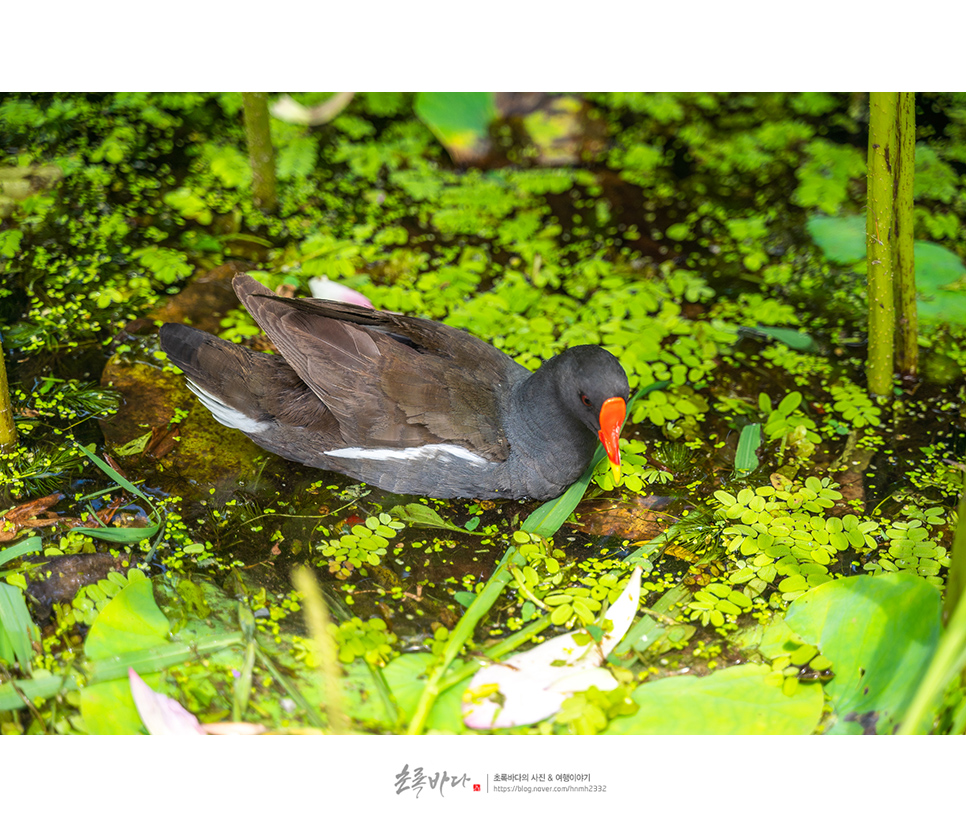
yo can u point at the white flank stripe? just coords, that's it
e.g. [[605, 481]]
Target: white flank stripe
[[433, 451], [225, 414]]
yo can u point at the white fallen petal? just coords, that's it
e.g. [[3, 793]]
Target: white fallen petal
[[287, 109], [532, 685], [622, 613], [163, 716], [322, 287], [583, 679]]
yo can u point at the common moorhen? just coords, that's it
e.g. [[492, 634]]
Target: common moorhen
[[405, 404]]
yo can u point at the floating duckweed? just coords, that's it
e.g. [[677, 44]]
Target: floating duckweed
[[370, 640], [855, 406], [365, 544], [911, 551]]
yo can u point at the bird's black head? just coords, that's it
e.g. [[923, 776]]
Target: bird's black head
[[586, 378]]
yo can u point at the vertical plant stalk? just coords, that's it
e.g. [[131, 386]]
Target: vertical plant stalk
[[317, 620], [8, 429], [907, 320], [879, 230], [260, 150]]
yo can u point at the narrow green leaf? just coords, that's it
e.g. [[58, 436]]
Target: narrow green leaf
[[746, 458], [15, 627], [648, 629], [121, 535], [113, 474], [22, 548], [795, 339]]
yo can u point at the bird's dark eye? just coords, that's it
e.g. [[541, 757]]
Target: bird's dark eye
[[585, 400]]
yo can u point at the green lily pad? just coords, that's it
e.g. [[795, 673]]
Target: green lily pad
[[736, 700], [880, 633], [940, 284], [130, 622], [940, 273], [842, 239]]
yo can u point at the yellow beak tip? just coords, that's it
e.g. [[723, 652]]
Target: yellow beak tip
[[615, 468]]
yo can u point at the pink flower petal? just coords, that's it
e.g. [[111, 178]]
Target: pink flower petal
[[322, 287], [163, 716]]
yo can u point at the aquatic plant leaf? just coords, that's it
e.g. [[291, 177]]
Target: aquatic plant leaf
[[940, 284], [31, 545], [940, 273], [880, 633], [842, 239], [737, 700], [532, 685], [419, 515], [10, 242], [460, 121], [135, 447], [130, 622], [108, 708], [16, 627], [795, 339], [746, 458]]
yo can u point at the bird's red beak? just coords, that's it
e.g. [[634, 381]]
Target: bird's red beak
[[612, 414]]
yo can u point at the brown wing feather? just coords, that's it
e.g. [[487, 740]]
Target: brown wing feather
[[390, 380]]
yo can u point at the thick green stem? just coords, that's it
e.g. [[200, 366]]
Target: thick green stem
[[260, 150], [907, 341], [8, 430], [879, 238]]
